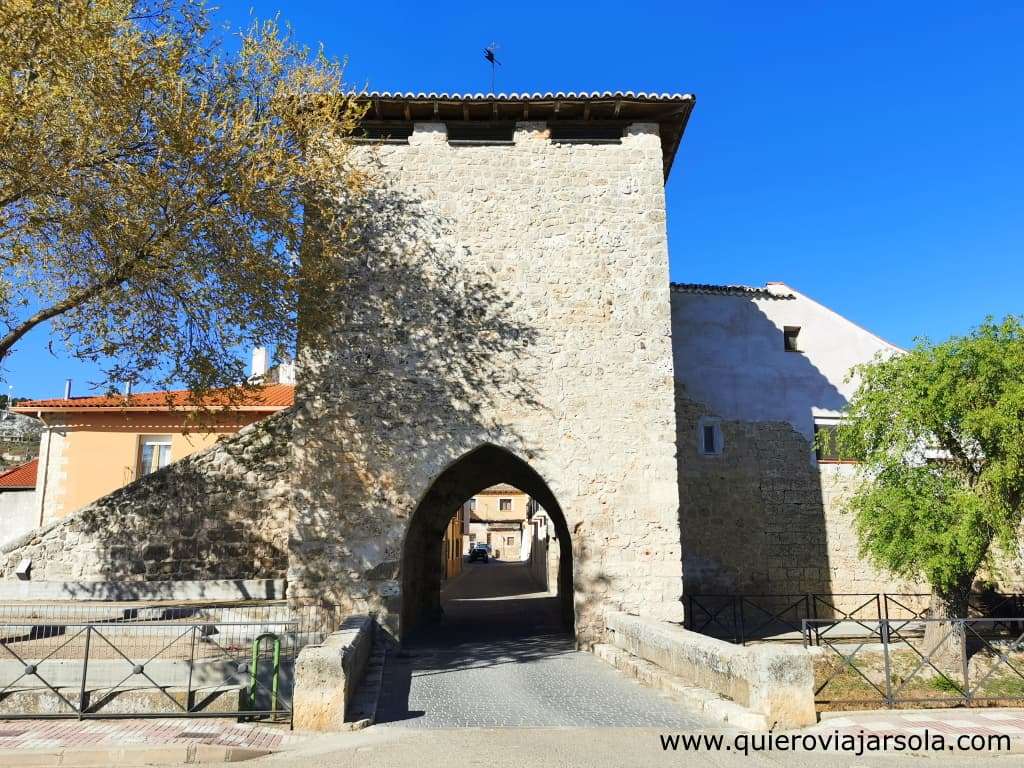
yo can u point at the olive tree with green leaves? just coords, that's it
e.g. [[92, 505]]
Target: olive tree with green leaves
[[939, 432]]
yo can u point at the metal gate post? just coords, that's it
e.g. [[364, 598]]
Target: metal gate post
[[294, 659], [85, 672], [191, 667], [738, 619], [884, 625], [964, 662]]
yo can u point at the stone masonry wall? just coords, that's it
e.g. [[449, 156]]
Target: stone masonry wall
[[223, 513], [519, 299], [761, 519], [513, 297]]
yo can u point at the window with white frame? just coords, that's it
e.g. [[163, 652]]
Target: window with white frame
[[709, 436], [154, 453]]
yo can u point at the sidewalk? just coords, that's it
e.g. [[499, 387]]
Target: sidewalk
[[135, 742], [951, 723]]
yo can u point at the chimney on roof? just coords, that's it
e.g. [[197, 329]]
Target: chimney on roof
[[67, 389], [259, 362], [127, 389]]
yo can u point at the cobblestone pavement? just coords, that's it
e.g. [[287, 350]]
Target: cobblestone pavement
[[49, 734], [500, 658]]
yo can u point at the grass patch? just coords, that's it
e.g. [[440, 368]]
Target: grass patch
[[946, 685]]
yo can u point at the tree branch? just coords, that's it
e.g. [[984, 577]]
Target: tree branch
[[71, 302]]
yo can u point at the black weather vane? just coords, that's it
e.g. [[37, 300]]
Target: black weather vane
[[489, 52]]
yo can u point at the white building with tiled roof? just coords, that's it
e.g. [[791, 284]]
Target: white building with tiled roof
[[759, 371], [18, 500]]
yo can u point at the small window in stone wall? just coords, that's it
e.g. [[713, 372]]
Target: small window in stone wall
[[385, 133], [709, 437], [470, 134], [585, 133]]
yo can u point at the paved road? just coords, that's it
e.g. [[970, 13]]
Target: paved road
[[501, 658]]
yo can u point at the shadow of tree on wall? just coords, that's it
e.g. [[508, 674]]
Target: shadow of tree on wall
[[420, 366], [752, 520], [427, 369]]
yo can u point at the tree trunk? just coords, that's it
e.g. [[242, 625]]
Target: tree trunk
[[943, 637]]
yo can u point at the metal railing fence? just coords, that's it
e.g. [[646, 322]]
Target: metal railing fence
[[154, 660], [742, 618], [103, 612], [158, 669], [960, 662]]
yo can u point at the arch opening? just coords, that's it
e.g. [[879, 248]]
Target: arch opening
[[422, 568]]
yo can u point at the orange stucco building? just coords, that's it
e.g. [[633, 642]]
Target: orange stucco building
[[498, 517], [451, 545], [91, 446]]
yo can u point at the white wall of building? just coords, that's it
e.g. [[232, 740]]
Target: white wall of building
[[18, 514], [729, 354]]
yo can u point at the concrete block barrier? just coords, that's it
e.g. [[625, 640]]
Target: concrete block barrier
[[327, 675]]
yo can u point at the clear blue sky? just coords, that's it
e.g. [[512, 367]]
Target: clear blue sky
[[871, 155]]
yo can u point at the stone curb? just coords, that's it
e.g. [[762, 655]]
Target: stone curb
[[123, 757], [697, 700]]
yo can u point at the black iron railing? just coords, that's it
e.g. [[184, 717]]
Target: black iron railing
[[159, 666], [952, 662], [743, 618], [314, 621]]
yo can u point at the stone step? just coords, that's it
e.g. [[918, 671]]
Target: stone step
[[697, 700]]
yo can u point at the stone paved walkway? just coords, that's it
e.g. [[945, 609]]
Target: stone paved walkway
[[500, 658], [48, 734]]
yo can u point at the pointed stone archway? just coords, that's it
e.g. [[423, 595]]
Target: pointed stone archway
[[473, 472]]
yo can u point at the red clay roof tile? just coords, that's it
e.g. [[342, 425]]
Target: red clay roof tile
[[21, 476], [272, 396]]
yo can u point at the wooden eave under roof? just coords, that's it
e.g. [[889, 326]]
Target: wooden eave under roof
[[670, 111]]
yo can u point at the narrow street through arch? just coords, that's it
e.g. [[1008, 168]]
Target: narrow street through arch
[[500, 656]]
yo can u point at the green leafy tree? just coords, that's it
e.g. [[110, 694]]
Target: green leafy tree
[[153, 186], [940, 434]]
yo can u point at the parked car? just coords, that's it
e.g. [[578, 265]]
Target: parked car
[[479, 552]]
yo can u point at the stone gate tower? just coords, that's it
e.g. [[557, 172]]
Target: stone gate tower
[[513, 326], [505, 319]]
